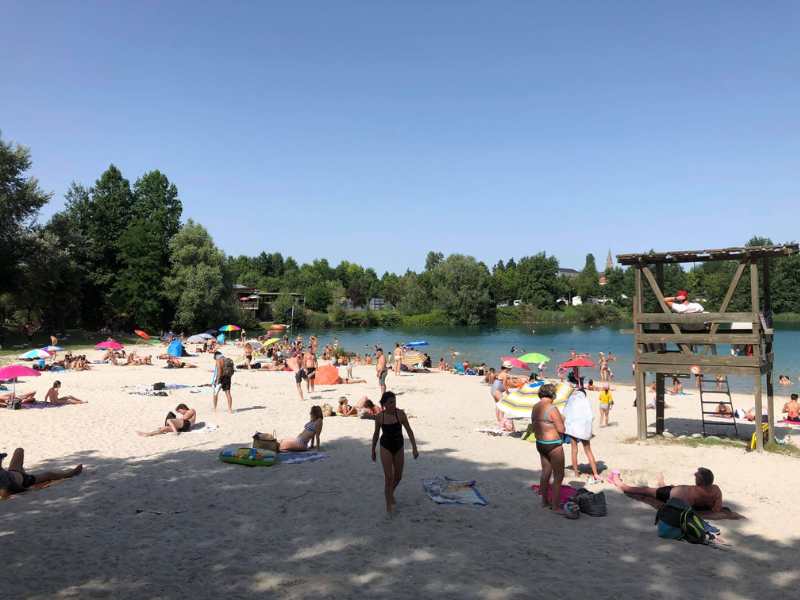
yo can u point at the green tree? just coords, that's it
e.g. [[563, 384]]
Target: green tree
[[198, 285], [587, 283], [318, 296], [415, 299], [20, 201], [433, 260], [463, 290], [538, 280]]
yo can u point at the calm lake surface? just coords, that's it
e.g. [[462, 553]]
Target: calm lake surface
[[488, 345]]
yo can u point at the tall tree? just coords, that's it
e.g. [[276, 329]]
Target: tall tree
[[538, 280], [463, 289], [588, 282], [20, 201], [198, 284]]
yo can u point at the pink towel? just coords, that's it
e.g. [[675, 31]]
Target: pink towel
[[567, 492]]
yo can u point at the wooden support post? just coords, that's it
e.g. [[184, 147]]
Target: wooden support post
[[641, 397], [660, 376], [641, 403], [756, 308], [768, 351]]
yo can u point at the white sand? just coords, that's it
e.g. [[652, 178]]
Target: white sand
[[161, 517]]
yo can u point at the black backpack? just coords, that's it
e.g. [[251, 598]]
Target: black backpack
[[676, 514], [227, 367], [593, 504]]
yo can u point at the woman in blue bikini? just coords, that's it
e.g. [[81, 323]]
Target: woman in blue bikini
[[309, 435], [389, 425], [549, 429]]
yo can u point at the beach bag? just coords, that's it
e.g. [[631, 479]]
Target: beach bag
[[676, 514], [593, 504], [159, 385], [14, 404], [227, 367], [265, 441]]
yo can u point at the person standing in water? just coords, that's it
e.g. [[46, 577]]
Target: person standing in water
[[389, 424]]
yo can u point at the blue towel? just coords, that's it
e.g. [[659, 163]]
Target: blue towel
[[293, 458]]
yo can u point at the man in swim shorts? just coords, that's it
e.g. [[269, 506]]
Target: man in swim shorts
[[310, 367], [381, 370], [16, 479], [703, 495]]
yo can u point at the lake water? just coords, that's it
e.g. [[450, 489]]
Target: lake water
[[488, 345]]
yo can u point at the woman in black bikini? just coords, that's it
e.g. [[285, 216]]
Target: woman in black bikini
[[180, 423], [389, 425], [549, 429]]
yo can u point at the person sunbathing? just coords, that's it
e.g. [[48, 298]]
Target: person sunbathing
[[174, 363], [345, 410], [181, 422], [15, 479], [703, 495], [366, 408], [306, 438], [723, 410], [53, 398], [792, 409], [23, 398]]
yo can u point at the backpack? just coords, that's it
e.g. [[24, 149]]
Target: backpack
[[593, 504], [677, 520], [227, 367]]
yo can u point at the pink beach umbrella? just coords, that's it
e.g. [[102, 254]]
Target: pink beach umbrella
[[109, 345], [14, 371], [515, 362]]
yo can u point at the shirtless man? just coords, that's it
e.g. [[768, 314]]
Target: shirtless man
[[53, 398], [15, 479], [398, 358], [381, 370], [792, 409], [310, 365], [703, 495]]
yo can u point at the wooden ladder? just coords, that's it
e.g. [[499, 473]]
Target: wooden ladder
[[725, 401]]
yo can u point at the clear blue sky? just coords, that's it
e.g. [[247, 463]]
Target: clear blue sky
[[374, 131]]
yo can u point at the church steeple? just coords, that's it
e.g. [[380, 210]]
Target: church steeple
[[609, 261]]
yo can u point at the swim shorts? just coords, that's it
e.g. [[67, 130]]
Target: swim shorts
[[311, 372], [300, 375], [225, 384], [382, 377]]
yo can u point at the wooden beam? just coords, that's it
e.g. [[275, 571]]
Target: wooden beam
[[766, 324], [737, 276], [694, 318], [641, 404], [707, 370], [698, 338], [757, 394], [678, 358]]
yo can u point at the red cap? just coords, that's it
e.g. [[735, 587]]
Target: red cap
[[682, 294]]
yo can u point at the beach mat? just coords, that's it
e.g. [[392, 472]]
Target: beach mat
[[725, 515], [41, 405], [294, 458], [444, 490], [567, 492]]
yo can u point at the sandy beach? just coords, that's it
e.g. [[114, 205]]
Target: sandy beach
[[162, 517]]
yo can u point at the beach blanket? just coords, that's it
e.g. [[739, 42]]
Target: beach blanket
[[725, 514], [567, 492], [792, 424], [294, 458], [444, 490], [41, 405]]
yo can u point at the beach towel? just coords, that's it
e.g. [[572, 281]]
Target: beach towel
[[444, 490], [578, 416], [792, 424], [40, 405], [726, 514], [294, 458], [567, 492]]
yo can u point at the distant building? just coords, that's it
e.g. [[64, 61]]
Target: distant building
[[376, 304], [569, 273]]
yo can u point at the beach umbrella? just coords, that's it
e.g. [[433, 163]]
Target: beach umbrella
[[14, 371], [196, 339], [271, 341], [412, 358], [519, 403], [211, 332], [255, 345], [109, 345], [34, 354], [142, 334], [515, 362], [416, 344], [53, 349], [578, 361], [534, 358], [230, 328]]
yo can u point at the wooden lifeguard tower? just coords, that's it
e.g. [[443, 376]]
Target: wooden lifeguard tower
[[669, 343]]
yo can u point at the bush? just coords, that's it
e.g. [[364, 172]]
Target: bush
[[435, 318], [513, 316]]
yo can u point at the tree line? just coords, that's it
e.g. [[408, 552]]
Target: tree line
[[118, 256]]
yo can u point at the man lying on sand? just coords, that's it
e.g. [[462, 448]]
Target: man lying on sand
[[23, 398], [703, 495], [16, 480]]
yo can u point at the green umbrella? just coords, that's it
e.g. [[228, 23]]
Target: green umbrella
[[534, 358]]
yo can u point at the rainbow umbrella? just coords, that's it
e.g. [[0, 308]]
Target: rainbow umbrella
[[230, 328], [109, 345], [11, 372], [34, 354], [534, 358]]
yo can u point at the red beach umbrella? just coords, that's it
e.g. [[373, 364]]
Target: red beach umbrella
[[142, 334], [109, 345], [578, 361]]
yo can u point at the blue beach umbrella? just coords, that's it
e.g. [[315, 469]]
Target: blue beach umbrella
[[34, 354]]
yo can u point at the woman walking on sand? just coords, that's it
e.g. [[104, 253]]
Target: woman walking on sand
[[389, 425]]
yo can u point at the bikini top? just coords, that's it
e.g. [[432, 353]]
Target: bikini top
[[310, 427]]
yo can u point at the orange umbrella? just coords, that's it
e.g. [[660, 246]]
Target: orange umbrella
[[142, 334]]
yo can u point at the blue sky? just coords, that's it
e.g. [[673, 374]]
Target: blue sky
[[375, 131]]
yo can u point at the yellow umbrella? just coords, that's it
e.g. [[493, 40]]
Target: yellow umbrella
[[412, 358], [519, 403]]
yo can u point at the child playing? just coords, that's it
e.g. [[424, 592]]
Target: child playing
[[606, 402]]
